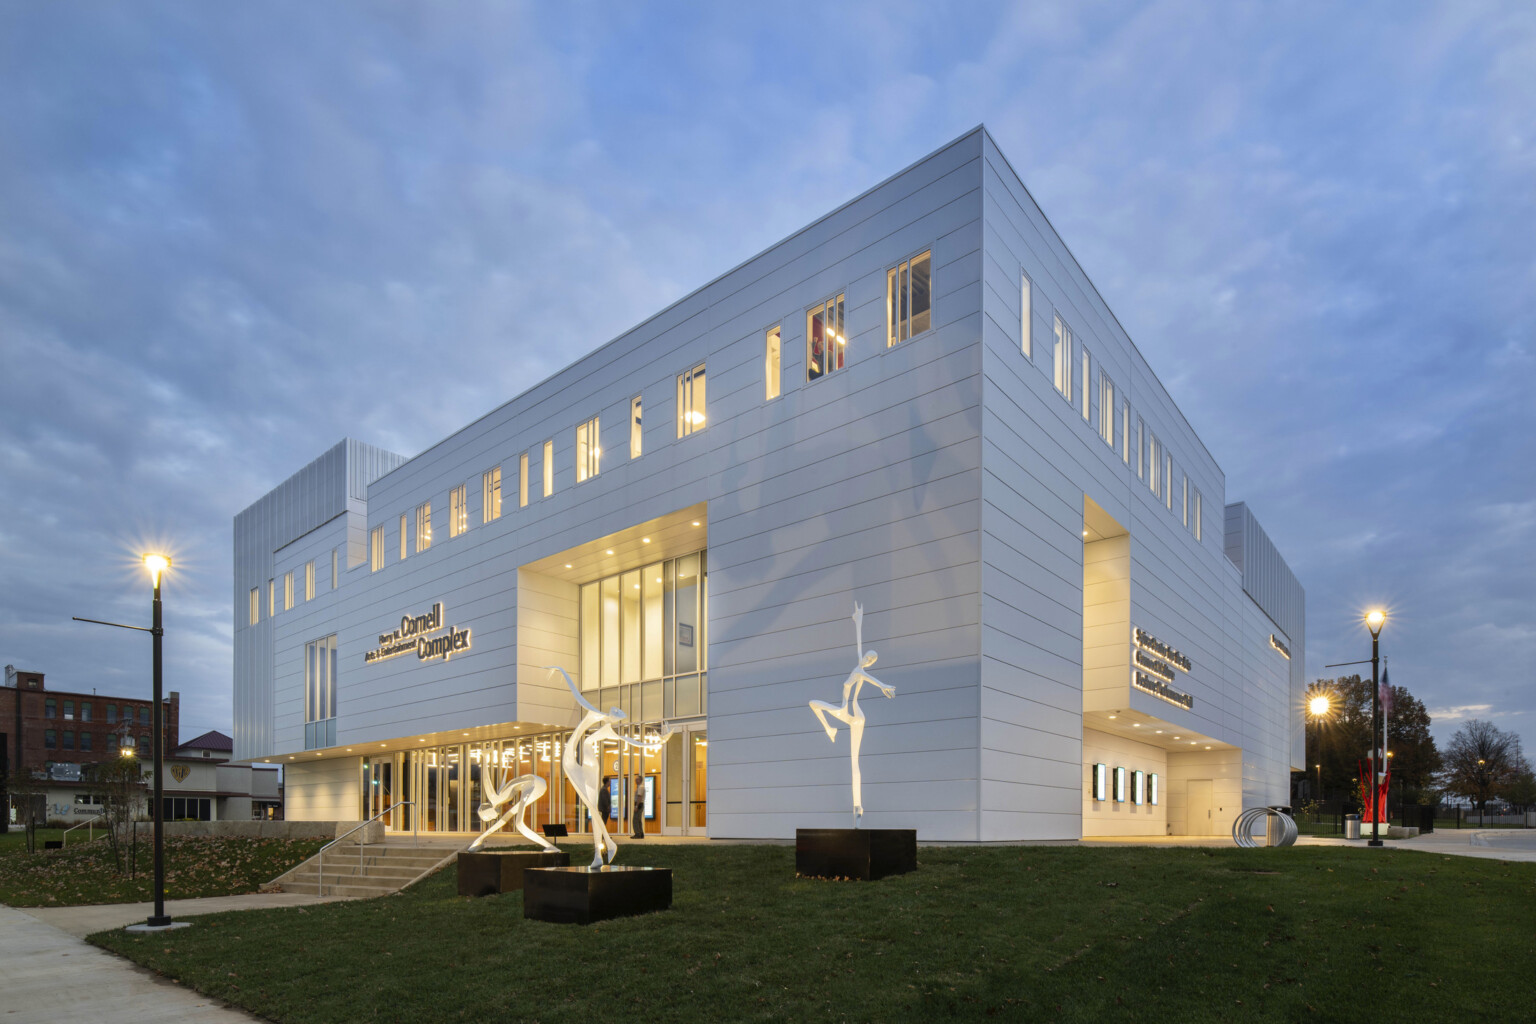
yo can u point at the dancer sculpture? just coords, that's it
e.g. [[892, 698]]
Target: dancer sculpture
[[524, 791], [849, 712], [580, 760]]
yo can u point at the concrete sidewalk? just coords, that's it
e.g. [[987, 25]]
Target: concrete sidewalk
[[50, 975], [83, 921]]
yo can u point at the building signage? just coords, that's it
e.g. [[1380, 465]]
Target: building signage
[[1279, 645], [1155, 662], [424, 634]]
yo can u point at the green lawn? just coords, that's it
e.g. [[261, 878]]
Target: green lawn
[[83, 872], [16, 839], [1016, 933]]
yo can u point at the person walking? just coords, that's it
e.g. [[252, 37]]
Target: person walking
[[639, 815], [605, 803]]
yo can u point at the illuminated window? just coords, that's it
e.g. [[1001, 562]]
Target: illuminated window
[[1195, 521], [490, 495], [288, 590], [549, 468], [1087, 383], [1138, 787], [1168, 479], [825, 342], [1185, 477], [1141, 449], [636, 435], [458, 510], [1061, 359], [1152, 789], [589, 449], [771, 364], [335, 568], [522, 480], [405, 535], [320, 692], [376, 549], [1026, 318], [1125, 431], [647, 624], [1154, 464], [271, 598], [1107, 409], [690, 401], [908, 298], [1120, 774], [1101, 781], [255, 605], [423, 526], [309, 580]]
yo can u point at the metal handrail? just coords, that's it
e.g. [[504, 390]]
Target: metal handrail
[[320, 857], [90, 833]]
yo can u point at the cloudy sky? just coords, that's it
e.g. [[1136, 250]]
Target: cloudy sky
[[232, 234]]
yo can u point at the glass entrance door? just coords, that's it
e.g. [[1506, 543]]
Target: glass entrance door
[[686, 810]]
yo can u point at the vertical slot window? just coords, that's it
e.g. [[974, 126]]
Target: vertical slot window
[[690, 401], [1125, 431], [1185, 477], [405, 536], [376, 549], [490, 495], [255, 605], [458, 510], [1168, 478], [1061, 359], [522, 480], [423, 526], [335, 568], [288, 590], [1107, 409], [825, 343], [1196, 523], [1026, 317], [636, 433], [589, 451], [1154, 464], [908, 299], [549, 468], [309, 580], [271, 598], [1086, 380], [771, 364]]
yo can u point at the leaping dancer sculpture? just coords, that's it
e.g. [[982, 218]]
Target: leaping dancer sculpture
[[524, 791], [849, 712], [580, 760]]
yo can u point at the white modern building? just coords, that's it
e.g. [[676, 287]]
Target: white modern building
[[918, 402]]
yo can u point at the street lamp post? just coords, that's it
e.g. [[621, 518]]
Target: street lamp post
[[157, 564], [1374, 621]]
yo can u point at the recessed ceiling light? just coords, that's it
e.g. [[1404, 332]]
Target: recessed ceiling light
[[695, 522], [1114, 716], [645, 540], [1178, 737], [1135, 725], [610, 551], [567, 565], [1158, 731], [349, 750], [1085, 533], [1191, 742], [466, 734], [1207, 748]]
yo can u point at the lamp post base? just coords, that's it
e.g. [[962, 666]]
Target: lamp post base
[[158, 924]]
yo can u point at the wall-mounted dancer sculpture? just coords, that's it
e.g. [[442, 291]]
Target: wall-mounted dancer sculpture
[[524, 791], [849, 712], [580, 761]]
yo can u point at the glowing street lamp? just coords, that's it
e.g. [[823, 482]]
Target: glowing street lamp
[[1374, 620]]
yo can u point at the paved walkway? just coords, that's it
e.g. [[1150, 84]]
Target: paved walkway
[[50, 975]]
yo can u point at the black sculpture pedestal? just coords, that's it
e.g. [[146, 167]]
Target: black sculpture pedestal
[[860, 853], [486, 872], [586, 894]]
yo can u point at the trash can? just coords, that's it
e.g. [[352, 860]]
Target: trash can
[[1351, 826]]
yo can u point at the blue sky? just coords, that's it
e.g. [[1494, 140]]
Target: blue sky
[[231, 235]]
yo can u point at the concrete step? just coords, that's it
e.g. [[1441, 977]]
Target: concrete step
[[332, 889]]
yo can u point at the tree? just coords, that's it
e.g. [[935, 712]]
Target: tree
[[1481, 761], [120, 784], [28, 792], [1522, 791], [1342, 739]]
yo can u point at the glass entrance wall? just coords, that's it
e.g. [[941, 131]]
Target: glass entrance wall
[[445, 783], [645, 639]]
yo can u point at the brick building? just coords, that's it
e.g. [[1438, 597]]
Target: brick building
[[40, 728]]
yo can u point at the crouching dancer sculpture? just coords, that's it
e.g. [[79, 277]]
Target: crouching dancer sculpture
[[524, 791], [580, 761], [849, 712]]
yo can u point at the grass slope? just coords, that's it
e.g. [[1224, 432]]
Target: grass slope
[[83, 872], [1023, 933]]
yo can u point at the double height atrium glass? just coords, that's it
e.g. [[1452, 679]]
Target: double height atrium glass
[[646, 629], [908, 299], [825, 343], [320, 693]]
